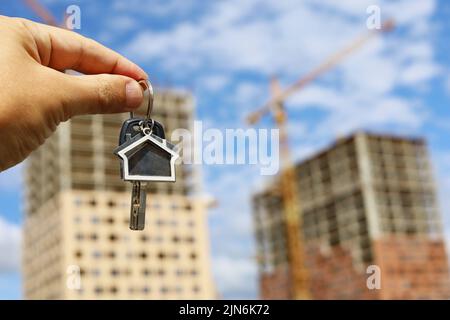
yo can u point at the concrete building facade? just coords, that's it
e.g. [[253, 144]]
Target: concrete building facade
[[77, 243], [368, 209]]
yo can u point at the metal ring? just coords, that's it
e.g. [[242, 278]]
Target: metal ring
[[148, 96]]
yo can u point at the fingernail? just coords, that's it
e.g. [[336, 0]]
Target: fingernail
[[134, 94]]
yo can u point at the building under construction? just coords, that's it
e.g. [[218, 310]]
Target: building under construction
[[367, 200], [77, 218]]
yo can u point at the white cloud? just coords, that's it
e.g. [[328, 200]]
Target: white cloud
[[236, 277], [318, 97], [292, 41], [419, 72], [393, 113], [158, 8], [10, 237], [122, 23], [214, 82], [410, 12], [293, 37], [249, 95], [226, 42]]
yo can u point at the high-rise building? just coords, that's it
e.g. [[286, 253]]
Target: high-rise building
[[77, 243], [370, 224]]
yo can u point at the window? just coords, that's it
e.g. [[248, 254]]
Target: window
[[96, 272], [95, 220], [146, 272], [78, 202], [79, 236], [164, 290], [190, 239], [161, 255], [98, 290], [115, 272], [143, 255], [111, 203]]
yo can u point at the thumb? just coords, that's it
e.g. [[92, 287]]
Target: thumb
[[103, 93]]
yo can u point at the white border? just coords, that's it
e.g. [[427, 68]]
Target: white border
[[162, 145]]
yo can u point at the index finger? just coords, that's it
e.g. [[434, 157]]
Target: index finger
[[63, 49]]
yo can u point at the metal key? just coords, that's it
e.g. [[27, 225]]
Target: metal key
[[145, 156]]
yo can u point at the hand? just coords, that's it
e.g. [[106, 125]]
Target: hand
[[35, 96]]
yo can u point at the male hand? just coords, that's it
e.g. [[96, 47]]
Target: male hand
[[35, 95]]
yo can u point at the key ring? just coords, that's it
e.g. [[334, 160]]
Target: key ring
[[148, 98]]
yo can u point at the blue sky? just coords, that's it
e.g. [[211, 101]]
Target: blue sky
[[225, 52]]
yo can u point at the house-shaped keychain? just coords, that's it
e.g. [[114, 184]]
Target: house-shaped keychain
[[146, 157]]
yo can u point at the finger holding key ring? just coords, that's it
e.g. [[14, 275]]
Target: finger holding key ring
[[148, 98]]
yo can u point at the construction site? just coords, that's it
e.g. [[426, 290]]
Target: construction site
[[368, 199], [366, 203], [363, 206]]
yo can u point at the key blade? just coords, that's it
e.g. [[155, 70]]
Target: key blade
[[138, 206]]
